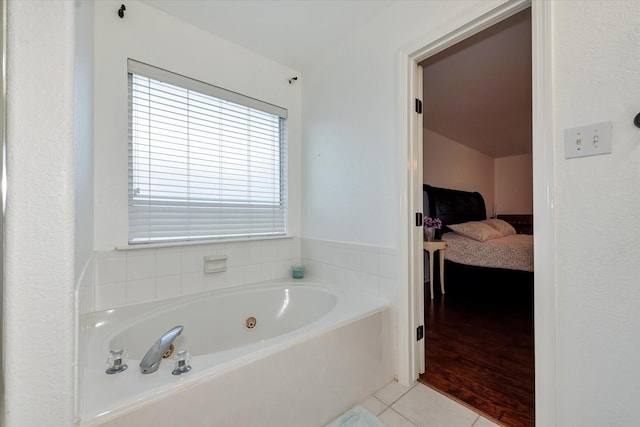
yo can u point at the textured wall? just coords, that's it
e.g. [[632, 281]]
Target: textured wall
[[39, 273], [596, 62]]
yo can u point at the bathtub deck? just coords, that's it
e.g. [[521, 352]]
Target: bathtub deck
[[348, 350]]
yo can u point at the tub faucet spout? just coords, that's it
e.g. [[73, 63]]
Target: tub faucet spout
[[151, 361]]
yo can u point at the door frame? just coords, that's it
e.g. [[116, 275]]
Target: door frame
[[411, 305]]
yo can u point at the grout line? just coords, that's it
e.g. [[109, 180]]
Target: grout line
[[402, 395], [466, 405], [399, 397], [403, 416], [478, 413]]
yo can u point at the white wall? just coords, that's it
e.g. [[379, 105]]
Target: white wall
[[449, 164], [514, 184], [350, 106], [156, 38], [597, 207], [39, 260]]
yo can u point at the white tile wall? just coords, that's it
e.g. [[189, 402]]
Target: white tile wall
[[111, 267], [134, 276], [111, 295], [141, 290], [169, 286], [360, 267], [168, 263]]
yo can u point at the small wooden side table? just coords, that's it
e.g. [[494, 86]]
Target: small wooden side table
[[433, 247]]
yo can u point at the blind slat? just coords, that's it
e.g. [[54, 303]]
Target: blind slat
[[202, 89], [203, 164]]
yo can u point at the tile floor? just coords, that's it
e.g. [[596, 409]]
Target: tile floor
[[420, 406]]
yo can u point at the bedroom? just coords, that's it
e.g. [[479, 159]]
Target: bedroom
[[477, 138]]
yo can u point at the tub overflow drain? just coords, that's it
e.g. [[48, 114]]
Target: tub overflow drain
[[250, 322]]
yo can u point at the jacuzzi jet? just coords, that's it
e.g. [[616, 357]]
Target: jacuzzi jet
[[167, 354], [250, 322]]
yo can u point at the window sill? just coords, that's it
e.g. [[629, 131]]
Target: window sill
[[143, 246]]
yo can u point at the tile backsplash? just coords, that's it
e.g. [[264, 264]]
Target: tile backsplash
[[362, 267], [126, 277]]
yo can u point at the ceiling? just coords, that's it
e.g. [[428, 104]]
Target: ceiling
[[292, 32], [478, 92]]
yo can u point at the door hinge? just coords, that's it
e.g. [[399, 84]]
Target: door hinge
[[418, 106], [420, 333], [419, 219]]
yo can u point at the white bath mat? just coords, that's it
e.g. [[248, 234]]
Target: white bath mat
[[357, 417]]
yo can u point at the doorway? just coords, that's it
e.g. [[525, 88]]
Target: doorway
[[543, 196], [477, 137]]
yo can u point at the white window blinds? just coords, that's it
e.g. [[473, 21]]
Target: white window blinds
[[204, 163]]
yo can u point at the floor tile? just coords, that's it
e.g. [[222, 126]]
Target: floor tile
[[393, 419], [391, 392], [374, 405], [483, 422], [428, 408]]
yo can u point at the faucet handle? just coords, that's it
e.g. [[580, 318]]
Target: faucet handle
[[181, 362], [117, 361]]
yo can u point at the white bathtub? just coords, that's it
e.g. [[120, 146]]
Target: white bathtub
[[314, 352]]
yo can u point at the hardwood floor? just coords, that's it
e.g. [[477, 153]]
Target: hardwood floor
[[480, 351]]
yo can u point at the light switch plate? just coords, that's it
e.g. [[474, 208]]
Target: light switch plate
[[588, 140]]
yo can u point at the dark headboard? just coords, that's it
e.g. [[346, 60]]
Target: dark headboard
[[453, 206]]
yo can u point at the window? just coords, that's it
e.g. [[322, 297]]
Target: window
[[204, 163]]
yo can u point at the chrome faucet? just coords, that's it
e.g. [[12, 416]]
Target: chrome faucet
[[151, 361]]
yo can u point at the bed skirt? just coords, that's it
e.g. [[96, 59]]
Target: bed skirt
[[487, 283]]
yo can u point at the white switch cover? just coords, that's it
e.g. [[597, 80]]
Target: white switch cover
[[588, 140]]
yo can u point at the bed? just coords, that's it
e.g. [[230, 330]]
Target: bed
[[482, 255]]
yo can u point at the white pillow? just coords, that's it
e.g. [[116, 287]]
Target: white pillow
[[476, 230], [502, 226]]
